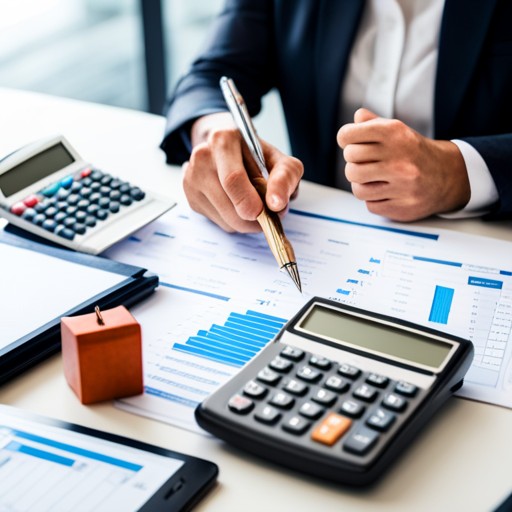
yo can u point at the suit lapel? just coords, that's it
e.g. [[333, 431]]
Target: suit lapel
[[338, 21], [463, 30]]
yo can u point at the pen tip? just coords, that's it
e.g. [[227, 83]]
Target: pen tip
[[293, 272]]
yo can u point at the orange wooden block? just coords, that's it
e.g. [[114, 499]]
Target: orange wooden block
[[102, 361]]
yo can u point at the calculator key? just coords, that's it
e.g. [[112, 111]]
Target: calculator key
[[62, 194], [322, 363], [107, 178], [69, 222], [125, 200], [61, 205], [254, 390], [296, 425], [309, 374], [125, 188], [352, 408], [394, 402], [80, 216], [83, 204], [18, 208], [86, 192], [103, 202], [94, 197], [381, 420], [282, 400], [73, 199], [296, 387], [240, 404], [90, 221], [267, 414], [137, 194], [268, 376], [76, 186], [71, 210], [85, 172], [29, 214], [49, 225], [104, 191], [361, 441], [39, 218], [115, 183], [366, 393], [324, 397], [294, 354], [311, 410], [377, 380], [31, 200], [96, 175], [331, 429], [102, 214], [66, 182], [335, 383], [64, 232], [51, 211], [51, 190], [349, 371], [59, 217], [115, 195], [406, 388], [86, 182], [79, 228], [114, 207], [281, 365], [41, 206]]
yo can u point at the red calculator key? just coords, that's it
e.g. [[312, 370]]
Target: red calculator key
[[85, 172], [31, 200], [18, 208]]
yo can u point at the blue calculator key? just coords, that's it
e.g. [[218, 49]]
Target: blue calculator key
[[38, 219], [79, 228], [49, 225], [96, 175], [361, 441], [29, 214], [90, 221], [64, 232], [137, 194], [125, 200], [66, 182], [102, 214], [51, 190], [114, 207]]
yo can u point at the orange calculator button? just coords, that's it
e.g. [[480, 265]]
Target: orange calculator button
[[331, 429]]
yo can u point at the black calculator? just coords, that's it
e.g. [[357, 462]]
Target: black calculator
[[47, 189], [339, 393]]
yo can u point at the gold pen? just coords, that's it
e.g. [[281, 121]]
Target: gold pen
[[269, 221]]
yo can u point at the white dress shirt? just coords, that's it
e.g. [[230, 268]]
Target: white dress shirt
[[391, 71]]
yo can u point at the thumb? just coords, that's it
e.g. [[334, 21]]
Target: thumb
[[362, 114]]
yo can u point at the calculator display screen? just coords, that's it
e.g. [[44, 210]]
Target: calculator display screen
[[34, 169], [377, 337]]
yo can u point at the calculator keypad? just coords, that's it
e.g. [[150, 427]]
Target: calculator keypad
[[78, 203], [334, 403]]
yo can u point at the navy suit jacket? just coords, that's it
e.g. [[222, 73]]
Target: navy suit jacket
[[301, 48]]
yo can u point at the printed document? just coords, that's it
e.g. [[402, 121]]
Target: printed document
[[222, 297]]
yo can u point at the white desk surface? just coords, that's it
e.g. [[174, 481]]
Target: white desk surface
[[461, 462]]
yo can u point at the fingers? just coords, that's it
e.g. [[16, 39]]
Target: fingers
[[206, 195], [283, 182]]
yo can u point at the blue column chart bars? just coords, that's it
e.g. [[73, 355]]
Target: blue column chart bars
[[235, 342], [441, 305]]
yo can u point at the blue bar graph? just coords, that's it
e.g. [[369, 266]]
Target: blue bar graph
[[13, 446], [235, 342], [441, 305]]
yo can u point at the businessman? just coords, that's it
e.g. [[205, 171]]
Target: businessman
[[434, 79]]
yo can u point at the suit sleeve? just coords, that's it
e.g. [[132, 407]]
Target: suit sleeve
[[239, 46], [496, 150]]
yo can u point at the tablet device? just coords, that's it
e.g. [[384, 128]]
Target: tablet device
[[46, 464]]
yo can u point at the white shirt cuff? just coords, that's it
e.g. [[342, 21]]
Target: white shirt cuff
[[483, 189]]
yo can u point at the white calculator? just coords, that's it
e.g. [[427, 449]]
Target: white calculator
[[49, 190]]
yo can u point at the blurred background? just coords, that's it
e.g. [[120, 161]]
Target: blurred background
[[125, 53]]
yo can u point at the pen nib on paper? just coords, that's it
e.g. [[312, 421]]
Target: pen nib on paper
[[293, 272]]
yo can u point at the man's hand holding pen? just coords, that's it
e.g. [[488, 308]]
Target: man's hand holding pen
[[217, 179]]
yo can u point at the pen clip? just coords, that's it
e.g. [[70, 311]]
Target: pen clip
[[238, 109]]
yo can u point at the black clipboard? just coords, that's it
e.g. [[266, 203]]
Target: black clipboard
[[36, 345], [143, 477]]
